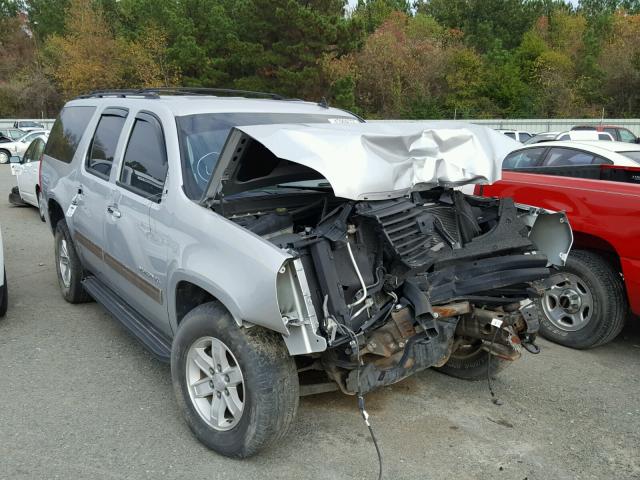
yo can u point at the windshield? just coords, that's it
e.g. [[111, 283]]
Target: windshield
[[202, 138], [29, 124], [635, 156]]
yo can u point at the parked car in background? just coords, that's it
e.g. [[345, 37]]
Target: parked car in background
[[244, 251], [619, 134], [4, 291], [516, 135], [585, 304], [20, 146], [27, 172], [28, 125], [569, 135], [542, 137], [585, 135], [11, 134], [536, 158]]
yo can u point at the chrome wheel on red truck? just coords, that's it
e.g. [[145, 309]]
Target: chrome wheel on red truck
[[584, 305]]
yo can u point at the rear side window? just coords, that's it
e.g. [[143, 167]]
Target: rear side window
[[523, 158], [524, 137], [510, 135], [145, 160], [67, 132], [566, 157], [604, 136], [104, 142]]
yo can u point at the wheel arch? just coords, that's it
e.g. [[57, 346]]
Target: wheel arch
[[55, 213], [190, 291], [599, 245]]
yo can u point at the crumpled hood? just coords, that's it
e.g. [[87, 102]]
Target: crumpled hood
[[388, 159]]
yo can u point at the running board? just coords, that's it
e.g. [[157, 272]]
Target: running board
[[155, 341]]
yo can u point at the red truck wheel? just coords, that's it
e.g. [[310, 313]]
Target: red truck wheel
[[585, 307]]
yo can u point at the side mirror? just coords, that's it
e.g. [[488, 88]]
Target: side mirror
[[15, 159]]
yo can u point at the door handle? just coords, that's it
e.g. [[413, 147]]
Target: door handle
[[114, 211]]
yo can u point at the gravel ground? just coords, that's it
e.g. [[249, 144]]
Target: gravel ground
[[80, 398]]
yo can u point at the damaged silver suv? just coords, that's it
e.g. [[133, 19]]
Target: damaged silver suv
[[273, 248]]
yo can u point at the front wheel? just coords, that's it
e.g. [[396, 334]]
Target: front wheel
[[237, 387], [4, 156], [585, 306], [469, 362], [42, 206]]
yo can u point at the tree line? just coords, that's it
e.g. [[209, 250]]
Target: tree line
[[379, 58]]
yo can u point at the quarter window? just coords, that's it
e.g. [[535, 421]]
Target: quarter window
[[104, 142], [145, 161], [67, 132]]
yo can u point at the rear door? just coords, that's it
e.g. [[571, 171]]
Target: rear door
[[95, 188], [135, 256], [28, 178]]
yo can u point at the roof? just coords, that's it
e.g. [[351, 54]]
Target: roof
[[180, 105]]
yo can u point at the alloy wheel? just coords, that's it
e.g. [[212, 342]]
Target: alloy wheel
[[215, 383]]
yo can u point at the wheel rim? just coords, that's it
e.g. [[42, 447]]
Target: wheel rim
[[215, 383], [40, 205], [568, 303], [63, 262], [4, 158]]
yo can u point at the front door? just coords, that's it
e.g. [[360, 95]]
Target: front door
[[136, 260]]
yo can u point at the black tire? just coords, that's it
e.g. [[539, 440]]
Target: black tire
[[73, 292], [471, 364], [270, 389], [4, 296], [609, 303]]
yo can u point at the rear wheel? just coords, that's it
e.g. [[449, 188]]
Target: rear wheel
[[469, 362], [237, 387], [68, 266], [4, 296], [585, 306]]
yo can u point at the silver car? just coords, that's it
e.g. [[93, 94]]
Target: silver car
[[273, 248]]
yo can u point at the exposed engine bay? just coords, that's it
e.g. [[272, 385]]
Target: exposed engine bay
[[382, 289]]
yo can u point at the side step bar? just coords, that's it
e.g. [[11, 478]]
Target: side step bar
[[154, 340]]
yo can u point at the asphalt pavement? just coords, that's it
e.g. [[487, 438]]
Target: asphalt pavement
[[81, 399]]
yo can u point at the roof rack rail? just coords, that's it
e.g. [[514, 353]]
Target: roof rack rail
[[157, 91]]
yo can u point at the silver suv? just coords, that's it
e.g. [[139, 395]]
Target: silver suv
[[274, 248]]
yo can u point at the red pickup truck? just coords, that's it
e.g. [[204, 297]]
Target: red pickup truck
[[586, 303]]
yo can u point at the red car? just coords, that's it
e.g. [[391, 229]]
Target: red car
[[586, 303]]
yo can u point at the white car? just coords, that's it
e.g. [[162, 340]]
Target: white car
[[19, 147], [517, 135], [27, 172], [585, 135], [565, 154], [3, 283], [28, 125]]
